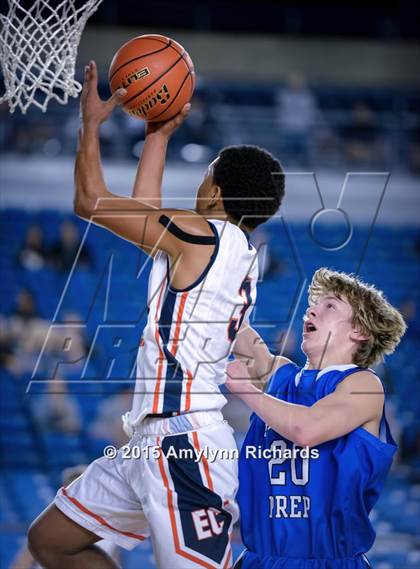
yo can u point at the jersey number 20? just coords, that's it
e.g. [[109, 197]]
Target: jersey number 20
[[300, 479]]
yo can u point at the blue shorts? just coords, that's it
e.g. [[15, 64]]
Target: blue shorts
[[250, 560]]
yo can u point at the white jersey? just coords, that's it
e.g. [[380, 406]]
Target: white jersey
[[189, 333]]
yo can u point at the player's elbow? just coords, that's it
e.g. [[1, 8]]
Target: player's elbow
[[306, 436], [302, 438], [83, 207]]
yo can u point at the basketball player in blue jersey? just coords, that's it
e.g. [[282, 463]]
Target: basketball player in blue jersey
[[201, 289], [319, 447]]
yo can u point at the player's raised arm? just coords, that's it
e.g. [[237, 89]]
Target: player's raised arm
[[134, 220], [148, 181], [89, 180]]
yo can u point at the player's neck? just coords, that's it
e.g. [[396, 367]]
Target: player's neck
[[321, 362], [216, 215], [222, 215]]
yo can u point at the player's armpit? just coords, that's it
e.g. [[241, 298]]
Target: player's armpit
[[356, 401]]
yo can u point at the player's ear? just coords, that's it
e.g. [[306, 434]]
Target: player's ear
[[215, 196], [358, 336]]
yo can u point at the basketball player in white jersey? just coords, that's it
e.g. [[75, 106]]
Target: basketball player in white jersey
[[24, 559], [202, 287]]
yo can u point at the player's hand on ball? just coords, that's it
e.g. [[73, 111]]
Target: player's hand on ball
[[237, 377], [167, 128], [93, 110]]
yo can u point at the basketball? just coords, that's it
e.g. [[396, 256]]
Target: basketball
[[158, 75]]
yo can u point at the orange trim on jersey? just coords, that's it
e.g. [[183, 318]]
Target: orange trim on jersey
[[210, 485], [98, 518], [227, 562], [175, 345], [161, 354], [179, 322], [188, 389], [205, 462], [173, 518]]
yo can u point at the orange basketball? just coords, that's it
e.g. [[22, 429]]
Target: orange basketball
[[158, 75]]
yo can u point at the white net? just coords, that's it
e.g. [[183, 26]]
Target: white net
[[38, 49]]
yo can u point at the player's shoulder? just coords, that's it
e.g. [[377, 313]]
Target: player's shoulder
[[362, 380], [283, 370], [186, 224], [281, 361], [233, 232]]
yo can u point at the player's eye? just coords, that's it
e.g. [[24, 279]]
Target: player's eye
[[330, 305]]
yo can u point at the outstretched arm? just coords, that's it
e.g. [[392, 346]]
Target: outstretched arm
[[148, 181], [134, 220], [356, 401], [251, 349], [89, 180]]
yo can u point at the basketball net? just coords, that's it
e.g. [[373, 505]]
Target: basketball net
[[38, 50]]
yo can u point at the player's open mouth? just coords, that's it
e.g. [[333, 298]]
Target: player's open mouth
[[309, 327]]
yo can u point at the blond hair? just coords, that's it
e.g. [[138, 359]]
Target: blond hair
[[373, 315]]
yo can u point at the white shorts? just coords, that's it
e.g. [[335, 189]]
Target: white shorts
[[187, 506]]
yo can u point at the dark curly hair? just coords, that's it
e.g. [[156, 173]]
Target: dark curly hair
[[251, 181]]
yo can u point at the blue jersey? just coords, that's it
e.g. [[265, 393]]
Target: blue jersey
[[309, 508]]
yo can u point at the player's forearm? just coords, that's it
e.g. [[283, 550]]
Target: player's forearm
[[250, 347], [148, 181], [89, 180], [288, 419]]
